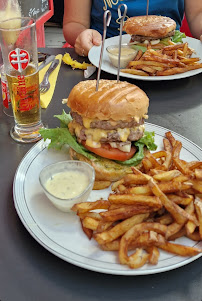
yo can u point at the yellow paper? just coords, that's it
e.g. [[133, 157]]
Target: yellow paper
[[46, 97]]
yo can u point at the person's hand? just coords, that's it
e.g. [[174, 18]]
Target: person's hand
[[86, 40], [201, 38]]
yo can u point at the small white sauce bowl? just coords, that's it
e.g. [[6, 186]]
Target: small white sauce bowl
[[49, 171], [125, 58]]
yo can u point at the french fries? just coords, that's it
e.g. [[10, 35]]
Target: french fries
[[162, 61], [98, 185], [149, 208]]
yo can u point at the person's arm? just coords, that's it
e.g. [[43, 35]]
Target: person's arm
[[193, 11], [76, 18], [76, 26]]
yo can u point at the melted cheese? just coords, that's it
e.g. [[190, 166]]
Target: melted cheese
[[124, 133], [93, 136], [87, 122], [92, 143]]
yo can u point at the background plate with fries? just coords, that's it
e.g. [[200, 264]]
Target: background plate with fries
[[195, 44], [61, 233]]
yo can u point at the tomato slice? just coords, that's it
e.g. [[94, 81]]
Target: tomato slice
[[109, 152]]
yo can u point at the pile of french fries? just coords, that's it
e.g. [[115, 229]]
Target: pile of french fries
[[149, 208], [168, 60]]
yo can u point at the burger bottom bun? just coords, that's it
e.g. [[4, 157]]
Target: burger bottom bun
[[105, 169]]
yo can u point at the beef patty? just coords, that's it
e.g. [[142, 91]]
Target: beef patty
[[106, 124], [141, 39]]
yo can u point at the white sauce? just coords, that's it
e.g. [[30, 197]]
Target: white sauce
[[127, 55], [68, 184]]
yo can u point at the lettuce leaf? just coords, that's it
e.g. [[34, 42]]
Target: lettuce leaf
[[61, 136], [64, 119], [165, 41], [139, 47], [146, 141], [178, 36]]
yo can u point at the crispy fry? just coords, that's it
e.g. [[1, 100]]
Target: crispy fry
[[198, 207], [164, 60], [167, 175], [133, 233], [173, 229], [138, 259], [98, 185], [90, 223], [116, 184], [176, 70], [174, 47], [177, 212], [136, 179], [138, 56], [198, 174], [197, 185], [153, 254], [88, 232], [146, 63], [185, 49], [87, 206], [132, 199], [181, 198], [144, 190], [181, 165], [94, 215], [103, 226], [180, 249], [170, 138], [180, 233], [147, 164], [148, 69], [135, 72], [124, 212], [119, 229], [194, 236], [150, 207], [190, 226], [173, 186], [111, 246], [165, 219]]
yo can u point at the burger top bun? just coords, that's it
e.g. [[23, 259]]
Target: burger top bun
[[116, 101], [151, 26]]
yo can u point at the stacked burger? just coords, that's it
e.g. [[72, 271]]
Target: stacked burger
[[152, 29], [105, 128]]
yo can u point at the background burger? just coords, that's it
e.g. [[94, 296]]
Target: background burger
[[153, 29], [105, 128]]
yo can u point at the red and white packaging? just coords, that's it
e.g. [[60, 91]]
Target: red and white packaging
[[4, 88]]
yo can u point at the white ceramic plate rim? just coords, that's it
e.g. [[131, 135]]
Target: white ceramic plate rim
[[35, 221], [94, 56]]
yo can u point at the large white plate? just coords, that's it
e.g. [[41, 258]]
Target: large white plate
[[94, 56], [61, 234]]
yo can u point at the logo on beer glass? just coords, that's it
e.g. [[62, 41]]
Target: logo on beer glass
[[19, 59]]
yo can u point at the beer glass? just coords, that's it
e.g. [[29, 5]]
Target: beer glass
[[20, 57]]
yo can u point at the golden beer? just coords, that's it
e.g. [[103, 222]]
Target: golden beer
[[25, 97], [19, 51]]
